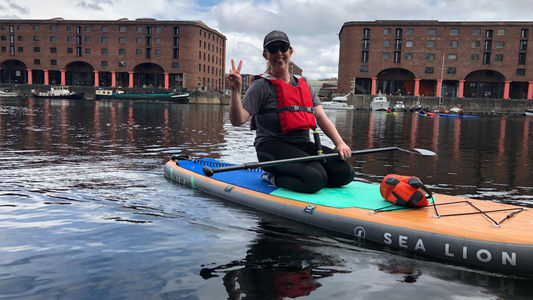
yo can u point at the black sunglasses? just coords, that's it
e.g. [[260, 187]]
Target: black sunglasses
[[273, 49]]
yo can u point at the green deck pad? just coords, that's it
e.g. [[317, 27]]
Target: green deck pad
[[356, 194]]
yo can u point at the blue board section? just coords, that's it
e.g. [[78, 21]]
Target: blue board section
[[250, 179]]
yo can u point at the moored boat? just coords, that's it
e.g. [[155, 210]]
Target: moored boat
[[529, 112], [379, 103], [113, 94], [451, 228], [338, 103], [398, 106], [60, 92], [8, 94]]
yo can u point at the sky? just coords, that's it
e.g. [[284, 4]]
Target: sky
[[312, 25]]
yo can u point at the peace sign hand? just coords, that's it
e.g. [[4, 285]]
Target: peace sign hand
[[234, 77]]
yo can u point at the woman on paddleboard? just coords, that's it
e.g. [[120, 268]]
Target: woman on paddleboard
[[283, 108]]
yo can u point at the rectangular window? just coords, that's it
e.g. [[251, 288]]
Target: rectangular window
[[20, 38], [500, 44], [501, 31], [103, 63], [139, 40], [36, 62], [363, 69], [408, 56], [521, 72], [488, 45], [397, 57], [139, 29], [432, 31], [410, 31], [53, 62], [474, 57], [87, 39], [36, 49], [148, 53], [148, 41], [488, 34], [2, 27], [19, 27], [200, 66], [409, 44], [78, 29], [366, 32], [121, 64], [453, 44], [4, 49], [476, 44], [122, 29], [87, 28], [366, 44], [429, 70], [430, 56], [498, 57], [53, 39], [450, 71], [78, 51], [398, 32], [387, 31], [158, 41], [105, 29], [36, 38], [523, 45], [524, 33], [176, 30], [148, 30], [386, 43], [3, 38], [454, 31], [105, 40], [521, 59], [69, 28], [158, 29], [78, 40], [385, 56], [12, 50], [70, 50], [157, 52], [53, 28], [36, 28], [53, 50], [104, 51], [70, 39], [452, 56], [175, 65], [87, 50], [364, 57], [138, 52], [476, 31], [199, 54], [175, 53], [122, 51], [430, 44], [486, 58], [20, 49], [176, 41], [122, 40]]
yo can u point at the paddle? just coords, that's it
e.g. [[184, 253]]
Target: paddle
[[211, 171]]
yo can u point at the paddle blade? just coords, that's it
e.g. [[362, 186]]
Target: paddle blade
[[424, 152]]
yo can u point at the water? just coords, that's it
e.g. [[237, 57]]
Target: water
[[85, 212]]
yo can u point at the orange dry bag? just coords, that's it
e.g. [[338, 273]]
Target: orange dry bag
[[405, 191]]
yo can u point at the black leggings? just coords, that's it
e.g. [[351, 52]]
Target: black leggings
[[306, 177]]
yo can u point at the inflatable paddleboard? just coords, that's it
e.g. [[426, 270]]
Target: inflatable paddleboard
[[463, 231]]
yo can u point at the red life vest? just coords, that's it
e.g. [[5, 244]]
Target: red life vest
[[295, 104], [405, 191]]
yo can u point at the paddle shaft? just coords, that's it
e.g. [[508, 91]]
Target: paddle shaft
[[210, 171]]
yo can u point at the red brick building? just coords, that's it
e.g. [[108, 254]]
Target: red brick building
[[432, 58], [129, 53]]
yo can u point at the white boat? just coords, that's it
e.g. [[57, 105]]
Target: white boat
[[398, 106], [339, 102], [379, 103], [455, 110], [7, 94], [529, 112], [61, 92]]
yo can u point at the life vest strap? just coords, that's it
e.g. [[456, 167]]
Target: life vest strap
[[288, 108]]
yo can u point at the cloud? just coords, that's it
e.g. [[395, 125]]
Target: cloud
[[18, 8]]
